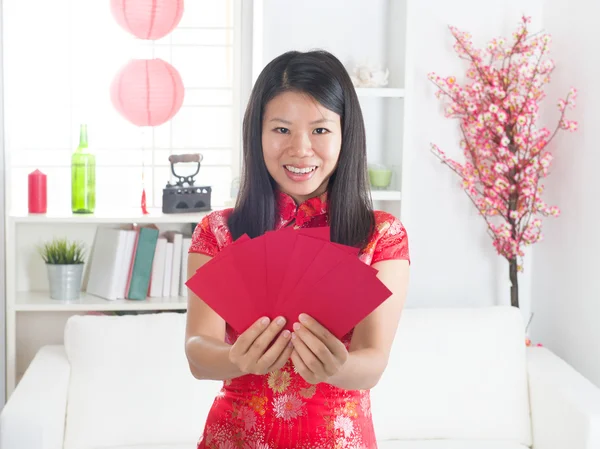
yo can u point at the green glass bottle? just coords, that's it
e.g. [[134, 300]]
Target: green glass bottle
[[83, 176]]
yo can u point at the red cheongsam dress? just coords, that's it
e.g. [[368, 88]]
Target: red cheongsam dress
[[280, 410]]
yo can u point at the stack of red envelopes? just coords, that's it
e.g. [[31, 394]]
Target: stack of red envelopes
[[286, 273]]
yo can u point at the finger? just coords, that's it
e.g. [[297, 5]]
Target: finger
[[247, 338], [335, 346], [301, 368], [310, 360], [317, 347], [283, 358], [272, 354], [263, 341]]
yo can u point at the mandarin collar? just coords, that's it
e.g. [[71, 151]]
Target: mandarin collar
[[300, 213]]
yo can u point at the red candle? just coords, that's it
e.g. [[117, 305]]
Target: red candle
[[37, 192]]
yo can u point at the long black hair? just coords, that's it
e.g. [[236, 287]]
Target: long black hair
[[323, 77]]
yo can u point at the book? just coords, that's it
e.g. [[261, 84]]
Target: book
[[141, 267], [158, 269], [106, 262]]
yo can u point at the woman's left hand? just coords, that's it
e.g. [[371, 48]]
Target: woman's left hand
[[318, 354]]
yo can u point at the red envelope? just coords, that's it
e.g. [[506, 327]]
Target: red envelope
[[323, 233], [278, 245], [302, 255], [231, 300], [227, 250], [341, 300], [328, 258], [249, 259]]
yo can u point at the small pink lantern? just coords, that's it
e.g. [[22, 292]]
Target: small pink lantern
[[147, 92], [147, 19]]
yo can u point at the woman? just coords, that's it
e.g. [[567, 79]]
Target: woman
[[304, 166]]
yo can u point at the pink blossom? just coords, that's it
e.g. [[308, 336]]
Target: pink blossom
[[505, 152]]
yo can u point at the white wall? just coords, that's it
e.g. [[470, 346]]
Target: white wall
[[566, 277], [454, 262]]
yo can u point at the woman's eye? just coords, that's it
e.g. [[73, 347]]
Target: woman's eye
[[321, 131], [282, 130]]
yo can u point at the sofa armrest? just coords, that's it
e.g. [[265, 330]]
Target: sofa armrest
[[34, 415], [565, 406]]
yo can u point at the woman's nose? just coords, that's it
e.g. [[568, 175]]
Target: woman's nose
[[301, 145]]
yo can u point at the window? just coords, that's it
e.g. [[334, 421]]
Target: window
[[60, 58]]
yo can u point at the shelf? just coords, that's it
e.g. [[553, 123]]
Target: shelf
[[386, 195], [134, 216], [41, 302], [380, 92], [124, 216]]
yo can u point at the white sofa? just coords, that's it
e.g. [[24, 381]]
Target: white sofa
[[457, 379]]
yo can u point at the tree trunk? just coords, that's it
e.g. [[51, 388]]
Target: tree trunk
[[514, 282], [513, 203]]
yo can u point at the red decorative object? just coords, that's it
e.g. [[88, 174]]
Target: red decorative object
[[147, 92], [144, 208], [37, 183], [147, 19]]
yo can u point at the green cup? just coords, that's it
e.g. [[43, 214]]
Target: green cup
[[380, 177]]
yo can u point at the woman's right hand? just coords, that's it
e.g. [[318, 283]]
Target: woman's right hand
[[251, 352]]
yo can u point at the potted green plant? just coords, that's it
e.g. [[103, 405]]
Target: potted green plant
[[64, 261]]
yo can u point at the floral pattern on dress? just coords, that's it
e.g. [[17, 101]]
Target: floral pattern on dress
[[281, 410]]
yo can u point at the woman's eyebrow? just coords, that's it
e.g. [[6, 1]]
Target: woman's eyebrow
[[280, 120], [287, 122], [322, 120]]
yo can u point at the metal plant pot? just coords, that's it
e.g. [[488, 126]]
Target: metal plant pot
[[65, 281]]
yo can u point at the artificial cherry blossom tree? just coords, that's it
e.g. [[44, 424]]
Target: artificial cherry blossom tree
[[505, 152]]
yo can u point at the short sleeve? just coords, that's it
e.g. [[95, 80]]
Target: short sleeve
[[392, 242], [203, 239]]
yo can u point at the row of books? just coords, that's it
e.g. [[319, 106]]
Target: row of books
[[138, 262]]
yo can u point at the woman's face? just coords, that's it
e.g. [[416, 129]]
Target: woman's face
[[301, 144]]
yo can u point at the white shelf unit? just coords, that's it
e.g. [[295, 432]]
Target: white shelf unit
[[41, 302], [357, 32], [386, 195], [32, 317], [124, 216]]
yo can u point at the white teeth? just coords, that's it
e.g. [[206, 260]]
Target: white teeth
[[300, 171]]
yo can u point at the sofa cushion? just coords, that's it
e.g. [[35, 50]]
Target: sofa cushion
[[448, 444], [130, 383], [456, 374]]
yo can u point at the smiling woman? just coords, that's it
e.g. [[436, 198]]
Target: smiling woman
[[304, 167]]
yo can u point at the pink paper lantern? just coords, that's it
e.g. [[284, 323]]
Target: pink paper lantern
[[147, 19], [147, 92]]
